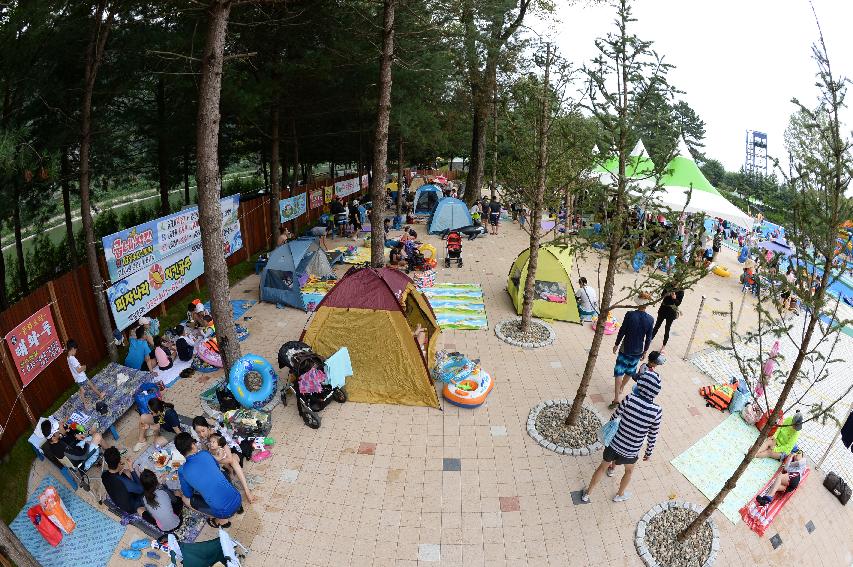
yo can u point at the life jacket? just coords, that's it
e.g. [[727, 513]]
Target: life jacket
[[718, 395]]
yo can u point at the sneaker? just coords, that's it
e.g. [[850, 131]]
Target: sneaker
[[585, 496], [763, 500], [611, 471], [139, 446], [612, 405], [622, 497]]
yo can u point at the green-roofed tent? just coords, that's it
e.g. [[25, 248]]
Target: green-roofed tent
[[639, 169], [680, 175]]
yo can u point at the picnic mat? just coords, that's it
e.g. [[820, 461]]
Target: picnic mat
[[314, 292], [238, 306], [458, 306], [758, 518], [360, 254], [92, 542], [713, 459], [171, 375]]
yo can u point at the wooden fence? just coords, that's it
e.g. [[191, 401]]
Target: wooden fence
[[71, 297]]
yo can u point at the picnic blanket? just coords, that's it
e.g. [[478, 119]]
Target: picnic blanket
[[711, 461], [92, 542], [758, 518], [356, 254], [458, 306], [313, 292], [238, 306]]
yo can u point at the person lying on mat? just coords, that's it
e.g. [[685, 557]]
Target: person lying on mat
[[122, 485], [62, 442], [788, 480], [783, 443], [203, 486]]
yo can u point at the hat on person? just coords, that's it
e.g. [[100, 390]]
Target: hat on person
[[118, 338], [199, 307], [144, 321], [657, 358], [643, 298], [797, 421]]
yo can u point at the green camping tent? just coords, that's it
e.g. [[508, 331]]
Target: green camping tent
[[553, 290]]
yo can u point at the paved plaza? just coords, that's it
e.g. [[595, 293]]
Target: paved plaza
[[403, 486]]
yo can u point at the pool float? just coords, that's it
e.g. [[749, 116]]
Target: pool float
[[611, 325], [208, 351], [424, 248], [721, 271], [248, 397], [470, 392]]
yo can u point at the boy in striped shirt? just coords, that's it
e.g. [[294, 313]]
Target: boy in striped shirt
[[640, 419]]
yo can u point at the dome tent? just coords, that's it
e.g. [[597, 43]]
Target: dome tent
[[288, 268], [426, 199], [374, 312], [449, 214], [554, 295]]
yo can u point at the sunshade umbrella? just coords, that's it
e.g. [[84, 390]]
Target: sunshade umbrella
[[778, 246]]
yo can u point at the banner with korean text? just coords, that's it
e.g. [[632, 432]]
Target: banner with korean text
[[34, 344], [292, 207], [350, 186], [139, 247], [315, 199]]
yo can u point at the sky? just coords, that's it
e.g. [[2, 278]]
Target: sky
[[739, 62]]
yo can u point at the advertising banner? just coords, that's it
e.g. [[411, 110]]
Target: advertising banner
[[350, 186], [328, 193], [34, 344], [142, 291], [137, 248], [316, 198], [292, 207]]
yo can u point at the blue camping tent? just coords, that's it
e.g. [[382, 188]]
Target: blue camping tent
[[449, 214], [426, 199], [288, 269]]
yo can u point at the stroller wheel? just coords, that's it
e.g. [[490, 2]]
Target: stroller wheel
[[311, 419], [447, 262], [340, 395], [459, 265]]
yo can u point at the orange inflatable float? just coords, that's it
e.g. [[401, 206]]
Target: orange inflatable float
[[470, 392]]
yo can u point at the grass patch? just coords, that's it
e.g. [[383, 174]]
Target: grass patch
[[15, 467]]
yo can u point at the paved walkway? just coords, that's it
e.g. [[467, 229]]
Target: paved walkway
[[371, 487]]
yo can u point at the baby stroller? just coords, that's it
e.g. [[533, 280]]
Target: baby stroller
[[453, 249], [300, 359]]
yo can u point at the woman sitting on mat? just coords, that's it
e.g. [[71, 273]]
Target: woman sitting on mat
[[783, 443], [788, 479], [158, 502]]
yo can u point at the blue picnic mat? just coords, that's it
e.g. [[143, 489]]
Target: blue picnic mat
[[91, 544], [458, 306], [710, 462], [238, 306]]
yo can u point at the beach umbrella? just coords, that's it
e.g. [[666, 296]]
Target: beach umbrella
[[777, 246]]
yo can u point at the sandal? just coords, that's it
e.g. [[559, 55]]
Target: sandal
[[611, 471]]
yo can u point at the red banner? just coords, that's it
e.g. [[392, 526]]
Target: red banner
[[315, 198], [34, 344]]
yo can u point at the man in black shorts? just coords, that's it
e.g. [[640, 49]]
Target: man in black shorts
[[788, 479], [494, 214]]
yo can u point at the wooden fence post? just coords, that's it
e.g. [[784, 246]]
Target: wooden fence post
[[57, 311]]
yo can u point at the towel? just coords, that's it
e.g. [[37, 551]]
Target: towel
[[338, 367], [759, 518]]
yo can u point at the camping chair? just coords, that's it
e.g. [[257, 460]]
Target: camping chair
[[76, 473], [222, 550]]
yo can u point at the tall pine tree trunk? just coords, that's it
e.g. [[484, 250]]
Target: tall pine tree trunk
[[380, 138], [12, 548], [398, 209], [275, 189], [295, 179], [94, 54], [23, 285], [65, 183], [4, 297], [474, 181], [538, 198], [210, 181], [186, 174], [162, 150], [494, 183]]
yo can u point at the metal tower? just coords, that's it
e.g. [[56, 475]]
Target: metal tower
[[755, 162]]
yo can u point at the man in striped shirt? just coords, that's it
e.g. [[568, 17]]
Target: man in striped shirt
[[640, 419]]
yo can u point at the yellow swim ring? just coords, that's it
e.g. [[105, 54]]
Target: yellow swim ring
[[424, 248], [721, 271]]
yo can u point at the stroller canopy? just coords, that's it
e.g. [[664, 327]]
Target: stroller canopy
[[426, 199], [374, 312], [554, 296], [288, 269], [449, 214]]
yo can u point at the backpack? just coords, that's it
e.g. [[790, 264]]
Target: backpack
[[145, 392], [751, 413], [838, 487]]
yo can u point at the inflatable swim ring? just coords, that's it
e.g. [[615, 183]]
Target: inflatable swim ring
[[424, 248], [237, 381], [208, 351], [721, 271], [471, 391], [611, 325]]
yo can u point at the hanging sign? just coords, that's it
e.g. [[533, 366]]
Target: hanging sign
[[316, 198], [350, 186], [328, 193], [34, 344], [292, 207]]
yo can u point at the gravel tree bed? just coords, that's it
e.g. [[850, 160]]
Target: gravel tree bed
[[538, 334], [546, 424], [660, 539], [550, 423]]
